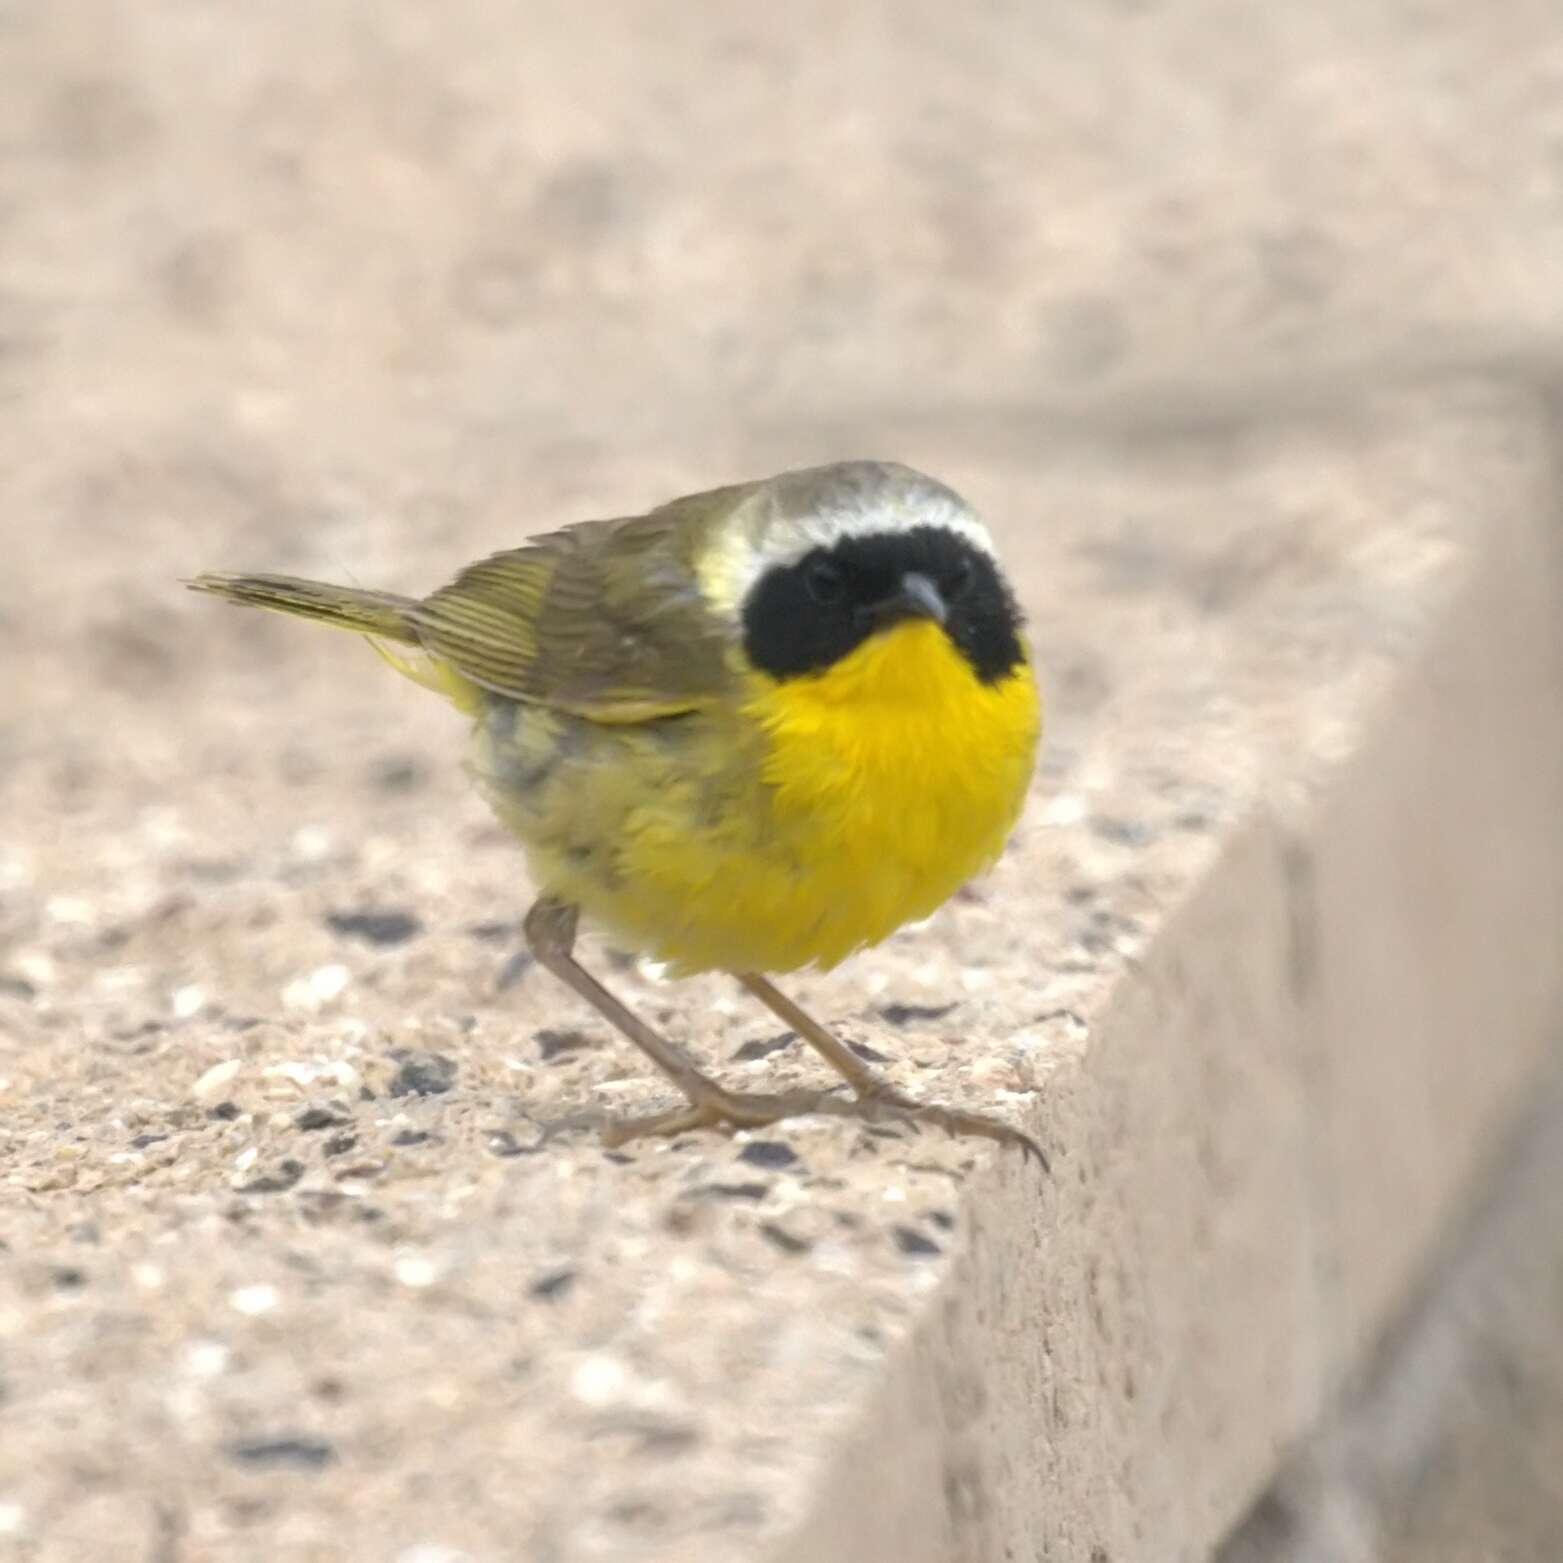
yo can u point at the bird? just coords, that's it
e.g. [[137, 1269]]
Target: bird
[[753, 730]]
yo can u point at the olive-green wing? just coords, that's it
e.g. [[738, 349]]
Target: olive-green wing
[[604, 619]]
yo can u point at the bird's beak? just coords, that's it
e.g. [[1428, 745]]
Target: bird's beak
[[915, 598]]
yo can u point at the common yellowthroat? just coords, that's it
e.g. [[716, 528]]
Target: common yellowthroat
[[753, 730]]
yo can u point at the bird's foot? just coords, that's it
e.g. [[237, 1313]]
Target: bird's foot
[[884, 1104], [714, 1107]]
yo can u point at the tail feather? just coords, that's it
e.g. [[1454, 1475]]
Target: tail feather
[[384, 615]]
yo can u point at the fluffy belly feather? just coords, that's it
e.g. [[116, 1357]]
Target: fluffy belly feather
[[814, 818]]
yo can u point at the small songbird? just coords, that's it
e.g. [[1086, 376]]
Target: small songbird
[[754, 730]]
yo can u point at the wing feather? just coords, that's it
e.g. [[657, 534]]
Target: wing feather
[[604, 619]]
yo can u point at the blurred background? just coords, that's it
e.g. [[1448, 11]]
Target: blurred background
[[362, 288]]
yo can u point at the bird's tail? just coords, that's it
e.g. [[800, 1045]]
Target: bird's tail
[[383, 615]]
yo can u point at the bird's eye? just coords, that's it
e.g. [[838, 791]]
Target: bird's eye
[[960, 578], [824, 581]]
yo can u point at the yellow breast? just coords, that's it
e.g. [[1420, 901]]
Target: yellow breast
[[876, 789]]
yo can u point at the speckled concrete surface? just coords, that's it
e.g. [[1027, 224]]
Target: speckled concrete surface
[[364, 290], [286, 1265], [1449, 1446]]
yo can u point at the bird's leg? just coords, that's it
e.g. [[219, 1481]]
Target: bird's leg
[[877, 1097], [550, 934]]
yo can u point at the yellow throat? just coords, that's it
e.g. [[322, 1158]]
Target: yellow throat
[[895, 776]]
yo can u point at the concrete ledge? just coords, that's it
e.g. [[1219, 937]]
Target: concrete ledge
[[1448, 1444], [1283, 1102], [285, 1272]]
